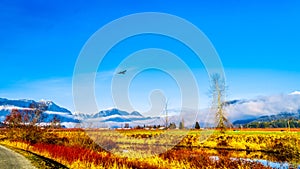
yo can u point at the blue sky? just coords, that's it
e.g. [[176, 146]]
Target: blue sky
[[258, 43]]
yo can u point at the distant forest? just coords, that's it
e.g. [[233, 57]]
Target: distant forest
[[274, 124]]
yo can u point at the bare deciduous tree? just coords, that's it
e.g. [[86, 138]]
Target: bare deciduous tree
[[166, 111], [218, 91]]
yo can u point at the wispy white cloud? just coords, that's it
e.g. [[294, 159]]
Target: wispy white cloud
[[244, 109], [264, 105], [295, 93]]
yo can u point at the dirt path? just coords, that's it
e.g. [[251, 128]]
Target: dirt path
[[12, 160]]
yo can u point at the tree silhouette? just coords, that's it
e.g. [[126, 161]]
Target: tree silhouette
[[197, 125], [181, 124], [172, 126]]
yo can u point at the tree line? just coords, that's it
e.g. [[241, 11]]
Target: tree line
[[294, 123], [170, 126]]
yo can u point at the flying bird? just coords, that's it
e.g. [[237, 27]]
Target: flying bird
[[122, 72]]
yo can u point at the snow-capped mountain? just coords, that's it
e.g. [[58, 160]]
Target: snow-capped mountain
[[115, 118], [240, 111], [113, 115], [49, 109]]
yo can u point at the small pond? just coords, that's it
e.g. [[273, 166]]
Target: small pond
[[267, 159]]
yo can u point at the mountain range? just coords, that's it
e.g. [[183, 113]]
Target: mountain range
[[49, 109], [269, 118], [240, 112], [113, 115]]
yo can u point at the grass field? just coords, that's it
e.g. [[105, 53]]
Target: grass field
[[158, 149]]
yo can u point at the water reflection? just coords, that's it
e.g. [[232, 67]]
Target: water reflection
[[274, 160]]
